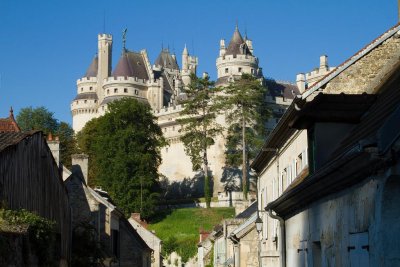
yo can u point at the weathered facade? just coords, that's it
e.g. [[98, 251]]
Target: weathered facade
[[30, 179], [121, 242], [336, 209]]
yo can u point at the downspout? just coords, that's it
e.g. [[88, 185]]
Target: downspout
[[282, 243]]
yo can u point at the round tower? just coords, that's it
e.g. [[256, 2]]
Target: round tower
[[235, 59], [84, 106], [129, 79]]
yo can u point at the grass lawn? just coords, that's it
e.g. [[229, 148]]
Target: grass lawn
[[181, 227]]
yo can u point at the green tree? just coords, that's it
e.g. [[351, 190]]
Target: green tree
[[124, 146], [245, 100], [42, 119], [199, 126]]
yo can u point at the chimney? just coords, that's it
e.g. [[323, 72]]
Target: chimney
[[54, 145], [249, 44], [136, 216], [323, 61], [80, 166], [301, 82], [222, 49]]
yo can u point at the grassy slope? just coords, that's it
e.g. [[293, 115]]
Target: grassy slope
[[184, 225]]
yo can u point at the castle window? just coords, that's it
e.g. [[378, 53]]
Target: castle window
[[125, 90], [226, 70], [136, 92], [95, 101], [252, 71], [108, 91], [115, 90], [240, 69], [82, 89], [91, 88], [85, 101]]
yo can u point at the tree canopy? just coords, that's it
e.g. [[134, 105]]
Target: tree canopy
[[124, 149], [199, 126], [244, 99], [42, 119]]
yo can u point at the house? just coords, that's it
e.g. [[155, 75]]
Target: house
[[121, 243], [329, 170], [149, 237], [30, 179], [9, 124]]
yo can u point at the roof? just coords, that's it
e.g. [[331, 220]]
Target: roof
[[245, 227], [281, 89], [237, 46], [86, 96], [166, 60], [9, 124], [92, 70], [13, 138], [131, 64], [248, 212]]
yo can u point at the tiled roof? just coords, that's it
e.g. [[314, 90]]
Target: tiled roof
[[237, 45], [283, 89], [12, 138], [166, 60], [131, 64], [9, 124], [248, 212], [86, 96], [92, 70]]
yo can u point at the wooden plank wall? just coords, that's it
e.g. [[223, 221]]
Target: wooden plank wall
[[31, 180]]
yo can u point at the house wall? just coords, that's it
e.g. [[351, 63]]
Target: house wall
[[273, 182], [355, 227], [31, 180], [249, 249]]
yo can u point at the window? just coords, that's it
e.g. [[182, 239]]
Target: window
[[108, 91], [115, 90], [359, 249], [226, 70], [91, 88], [136, 92], [239, 69], [316, 252], [95, 101], [82, 89], [125, 90], [85, 101]]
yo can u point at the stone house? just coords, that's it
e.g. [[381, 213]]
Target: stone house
[[121, 243], [149, 237], [335, 205]]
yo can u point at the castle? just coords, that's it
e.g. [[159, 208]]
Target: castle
[[160, 85]]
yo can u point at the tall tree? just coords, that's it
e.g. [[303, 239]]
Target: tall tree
[[124, 146], [42, 119], [245, 100], [199, 126]]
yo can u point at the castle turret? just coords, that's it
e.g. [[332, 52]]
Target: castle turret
[[189, 65], [84, 106], [104, 61], [236, 59]]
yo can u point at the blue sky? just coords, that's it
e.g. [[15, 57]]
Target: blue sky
[[46, 45]]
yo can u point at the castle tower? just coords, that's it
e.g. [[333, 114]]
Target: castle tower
[[84, 106], [189, 66], [236, 59], [104, 61]]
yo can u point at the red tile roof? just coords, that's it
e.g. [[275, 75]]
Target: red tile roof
[[9, 124]]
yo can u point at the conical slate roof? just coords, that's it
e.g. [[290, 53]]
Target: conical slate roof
[[166, 60], [92, 70], [131, 64], [237, 46]]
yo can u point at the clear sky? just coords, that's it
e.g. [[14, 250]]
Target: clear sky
[[46, 45]]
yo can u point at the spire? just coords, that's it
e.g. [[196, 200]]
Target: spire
[[11, 113], [124, 38], [185, 51]]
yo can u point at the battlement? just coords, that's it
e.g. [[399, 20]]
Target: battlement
[[168, 110], [84, 104], [86, 80], [104, 36], [237, 58], [124, 80]]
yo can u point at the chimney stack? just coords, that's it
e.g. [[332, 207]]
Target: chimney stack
[[323, 61], [301, 82], [80, 166], [54, 145]]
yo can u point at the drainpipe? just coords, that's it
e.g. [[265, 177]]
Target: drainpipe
[[283, 237]]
